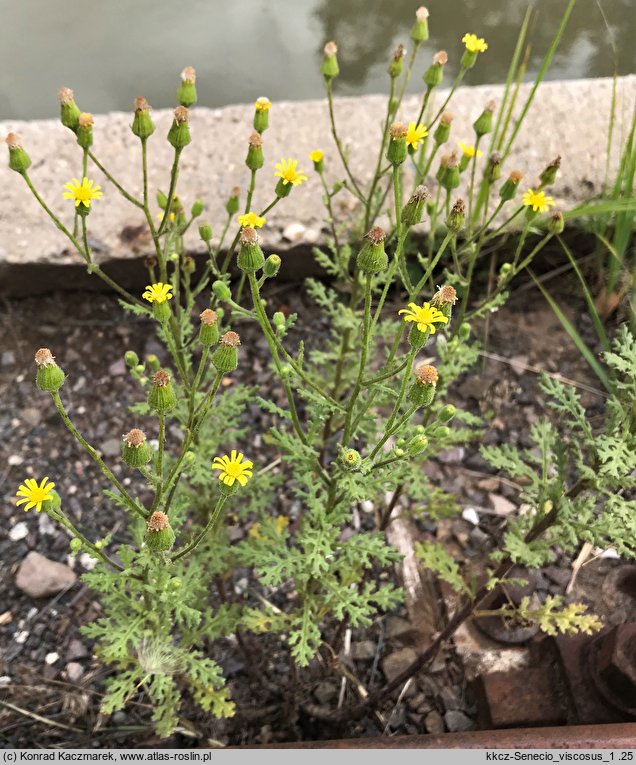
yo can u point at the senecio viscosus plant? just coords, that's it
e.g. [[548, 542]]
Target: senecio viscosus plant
[[364, 408]]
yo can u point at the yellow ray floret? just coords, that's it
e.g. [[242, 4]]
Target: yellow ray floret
[[538, 200], [469, 151], [286, 170], [82, 192], [251, 219], [33, 494], [415, 133], [233, 468], [316, 155], [424, 316], [474, 44], [158, 293], [262, 104]]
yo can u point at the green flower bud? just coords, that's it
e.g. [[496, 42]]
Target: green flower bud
[[272, 266], [18, 158], [510, 186], [209, 329], [434, 75], [69, 111], [279, 321], [153, 362], [187, 92], [205, 232], [442, 131], [416, 338], [159, 534], [468, 59], [483, 124], [261, 114], [179, 134], [444, 300], [493, 169], [556, 223], [225, 356], [286, 371], [162, 200], [398, 452], [351, 459], [197, 208], [250, 258], [446, 413], [49, 377], [135, 450], [440, 432], [255, 159], [448, 175], [232, 204], [416, 445], [142, 126], [455, 220], [372, 257], [548, 176], [330, 68], [397, 150], [419, 30], [422, 391], [75, 545], [413, 210], [464, 161], [161, 396], [131, 359], [283, 189], [464, 331], [221, 291], [397, 63], [161, 311], [85, 131], [505, 272]]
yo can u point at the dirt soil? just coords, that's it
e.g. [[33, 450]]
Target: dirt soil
[[49, 679]]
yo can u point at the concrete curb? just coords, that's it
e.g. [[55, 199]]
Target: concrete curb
[[569, 118]]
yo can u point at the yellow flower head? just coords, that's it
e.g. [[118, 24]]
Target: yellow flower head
[[158, 293], [538, 200], [251, 219], [414, 134], [469, 151], [474, 44], [316, 155], [262, 104], [82, 192], [33, 494], [233, 468], [286, 169], [425, 317]]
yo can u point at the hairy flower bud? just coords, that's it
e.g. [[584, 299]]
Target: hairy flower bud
[[397, 62], [85, 124], [187, 92], [179, 134], [232, 204], [272, 266], [143, 126], [159, 534], [446, 413], [351, 459], [49, 377], [414, 209], [261, 114], [509, 188], [225, 356], [422, 391], [18, 158], [372, 257], [493, 169], [161, 396], [330, 68], [209, 329], [455, 220], [255, 159], [205, 232], [221, 291], [549, 174], [444, 299], [69, 111], [250, 258], [442, 131], [448, 174], [434, 75], [416, 445], [135, 450], [419, 30], [131, 359], [397, 149], [483, 124], [556, 223]]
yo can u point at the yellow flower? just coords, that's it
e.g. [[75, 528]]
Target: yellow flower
[[469, 151], [251, 219], [262, 104], [233, 468], [158, 293], [33, 494], [425, 317], [474, 44], [286, 169], [316, 155], [538, 200], [82, 192], [414, 134]]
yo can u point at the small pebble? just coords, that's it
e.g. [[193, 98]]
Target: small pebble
[[470, 515], [51, 658], [18, 532], [15, 460], [74, 671], [21, 637]]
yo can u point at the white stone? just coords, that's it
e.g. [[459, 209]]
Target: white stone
[[87, 561], [21, 637], [18, 532], [471, 515], [51, 658], [15, 460]]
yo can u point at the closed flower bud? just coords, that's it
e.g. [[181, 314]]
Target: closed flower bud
[[69, 111], [255, 159], [261, 114], [510, 186], [209, 329], [232, 204], [205, 232], [225, 356], [442, 131], [548, 176], [440, 432], [153, 362], [372, 257], [351, 459], [397, 149], [250, 258], [493, 169], [159, 534], [135, 450], [197, 208], [465, 331], [422, 391], [444, 299], [18, 158], [179, 133], [483, 124], [434, 75], [446, 413], [455, 220], [419, 30], [416, 445], [449, 175], [330, 68], [397, 62], [187, 92], [49, 377], [161, 396], [413, 210], [85, 130], [505, 272], [162, 200], [221, 291], [279, 321], [272, 266], [143, 126], [555, 222], [131, 359]]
